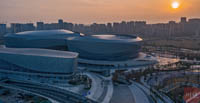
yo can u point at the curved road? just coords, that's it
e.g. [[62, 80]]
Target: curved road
[[102, 89], [57, 94], [122, 94]]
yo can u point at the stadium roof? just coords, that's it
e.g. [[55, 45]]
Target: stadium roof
[[39, 52], [109, 38], [44, 34]]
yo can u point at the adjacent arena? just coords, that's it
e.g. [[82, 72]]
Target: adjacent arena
[[106, 47], [47, 39], [37, 64]]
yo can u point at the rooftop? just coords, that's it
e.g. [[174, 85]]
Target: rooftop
[[39, 52], [112, 37], [44, 33], [109, 38]]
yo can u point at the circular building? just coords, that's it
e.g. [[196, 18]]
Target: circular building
[[37, 64], [105, 47], [47, 39]]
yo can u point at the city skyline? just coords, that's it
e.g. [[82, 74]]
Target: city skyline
[[185, 27], [100, 11], [34, 23]]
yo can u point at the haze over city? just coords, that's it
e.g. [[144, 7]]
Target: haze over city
[[100, 11]]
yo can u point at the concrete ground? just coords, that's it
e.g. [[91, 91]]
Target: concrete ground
[[122, 94]]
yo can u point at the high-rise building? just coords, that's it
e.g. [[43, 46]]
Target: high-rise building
[[16, 27], [194, 20], [109, 28], [68, 26], [183, 19], [60, 23], [28, 27], [123, 26], [116, 27], [40, 25], [193, 26], [130, 27], [139, 27], [172, 29], [182, 25], [2, 29]]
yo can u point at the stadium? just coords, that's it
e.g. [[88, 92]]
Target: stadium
[[109, 51], [37, 64], [47, 39], [105, 51], [105, 47]]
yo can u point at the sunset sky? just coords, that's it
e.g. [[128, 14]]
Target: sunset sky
[[100, 11]]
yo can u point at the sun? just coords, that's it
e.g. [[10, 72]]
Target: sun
[[175, 4]]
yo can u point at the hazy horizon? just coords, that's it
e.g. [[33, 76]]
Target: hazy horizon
[[100, 11]]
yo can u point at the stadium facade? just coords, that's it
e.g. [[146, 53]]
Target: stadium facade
[[37, 64], [47, 39], [105, 51], [105, 47]]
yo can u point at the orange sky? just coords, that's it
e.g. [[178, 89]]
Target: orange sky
[[100, 11]]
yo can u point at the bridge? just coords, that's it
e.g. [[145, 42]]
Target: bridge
[[46, 91]]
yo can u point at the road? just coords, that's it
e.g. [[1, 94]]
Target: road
[[57, 94], [101, 89], [122, 94]]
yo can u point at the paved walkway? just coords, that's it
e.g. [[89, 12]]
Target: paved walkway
[[122, 94]]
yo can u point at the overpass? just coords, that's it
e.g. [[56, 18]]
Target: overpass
[[46, 91]]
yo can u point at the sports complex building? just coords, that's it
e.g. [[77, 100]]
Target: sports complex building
[[37, 64], [105, 47], [28, 54], [47, 39], [108, 51]]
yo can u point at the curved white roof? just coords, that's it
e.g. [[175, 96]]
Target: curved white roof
[[39, 52], [109, 38], [44, 34]]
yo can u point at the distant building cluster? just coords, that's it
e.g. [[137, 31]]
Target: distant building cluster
[[183, 28], [3, 29], [172, 28]]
